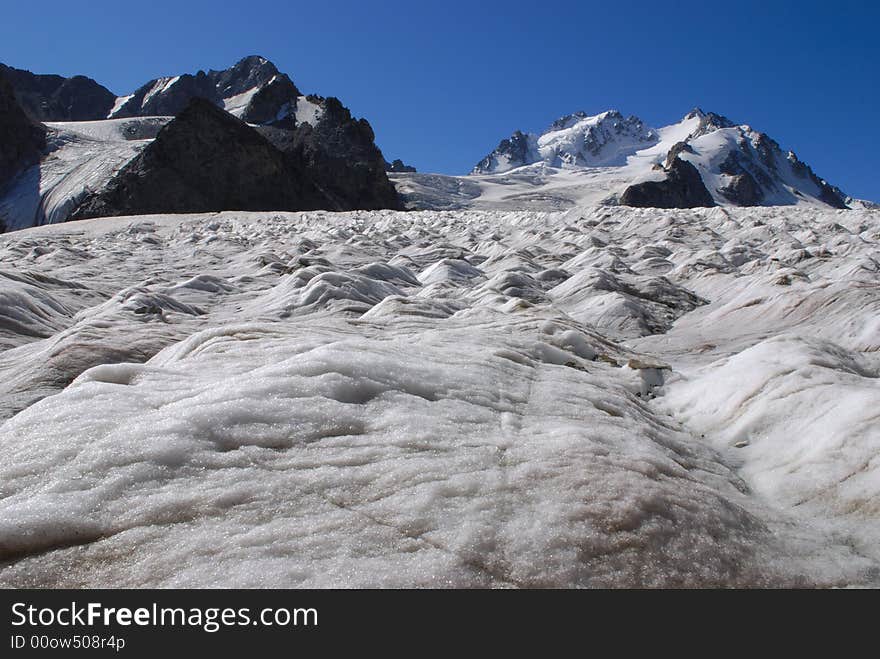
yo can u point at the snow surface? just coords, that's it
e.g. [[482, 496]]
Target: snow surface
[[119, 104], [595, 397], [307, 111], [161, 86], [236, 105]]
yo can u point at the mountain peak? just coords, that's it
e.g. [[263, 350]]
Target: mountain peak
[[249, 72], [709, 121], [252, 89], [575, 140]]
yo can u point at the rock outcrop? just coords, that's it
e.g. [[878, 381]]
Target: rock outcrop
[[682, 188], [207, 160], [341, 154]]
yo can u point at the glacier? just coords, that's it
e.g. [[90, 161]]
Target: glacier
[[594, 396]]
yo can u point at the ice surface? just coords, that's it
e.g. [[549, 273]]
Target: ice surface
[[596, 397], [84, 156]]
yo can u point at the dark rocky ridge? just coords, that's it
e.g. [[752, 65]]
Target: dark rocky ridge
[[709, 121], [207, 160], [743, 189], [22, 140], [272, 103], [55, 98], [169, 102], [397, 166], [682, 188], [340, 154]]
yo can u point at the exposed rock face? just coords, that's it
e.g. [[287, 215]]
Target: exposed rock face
[[21, 139], [207, 160], [55, 98], [274, 104], [677, 149], [340, 154], [743, 190], [248, 73], [299, 153], [253, 90], [167, 96], [682, 188], [830, 194], [517, 150], [398, 166]]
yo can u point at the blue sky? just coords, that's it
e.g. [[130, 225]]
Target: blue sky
[[442, 82]]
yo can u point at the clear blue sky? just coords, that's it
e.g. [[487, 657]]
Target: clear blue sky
[[442, 82]]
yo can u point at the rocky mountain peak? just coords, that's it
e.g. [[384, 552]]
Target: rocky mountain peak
[[575, 140], [708, 121], [249, 72]]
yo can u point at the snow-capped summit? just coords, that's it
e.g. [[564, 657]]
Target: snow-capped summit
[[704, 159], [708, 121], [745, 167], [575, 140]]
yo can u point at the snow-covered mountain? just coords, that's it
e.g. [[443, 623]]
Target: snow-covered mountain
[[295, 152], [610, 159]]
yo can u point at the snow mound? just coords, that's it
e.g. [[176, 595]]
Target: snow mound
[[803, 416]]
